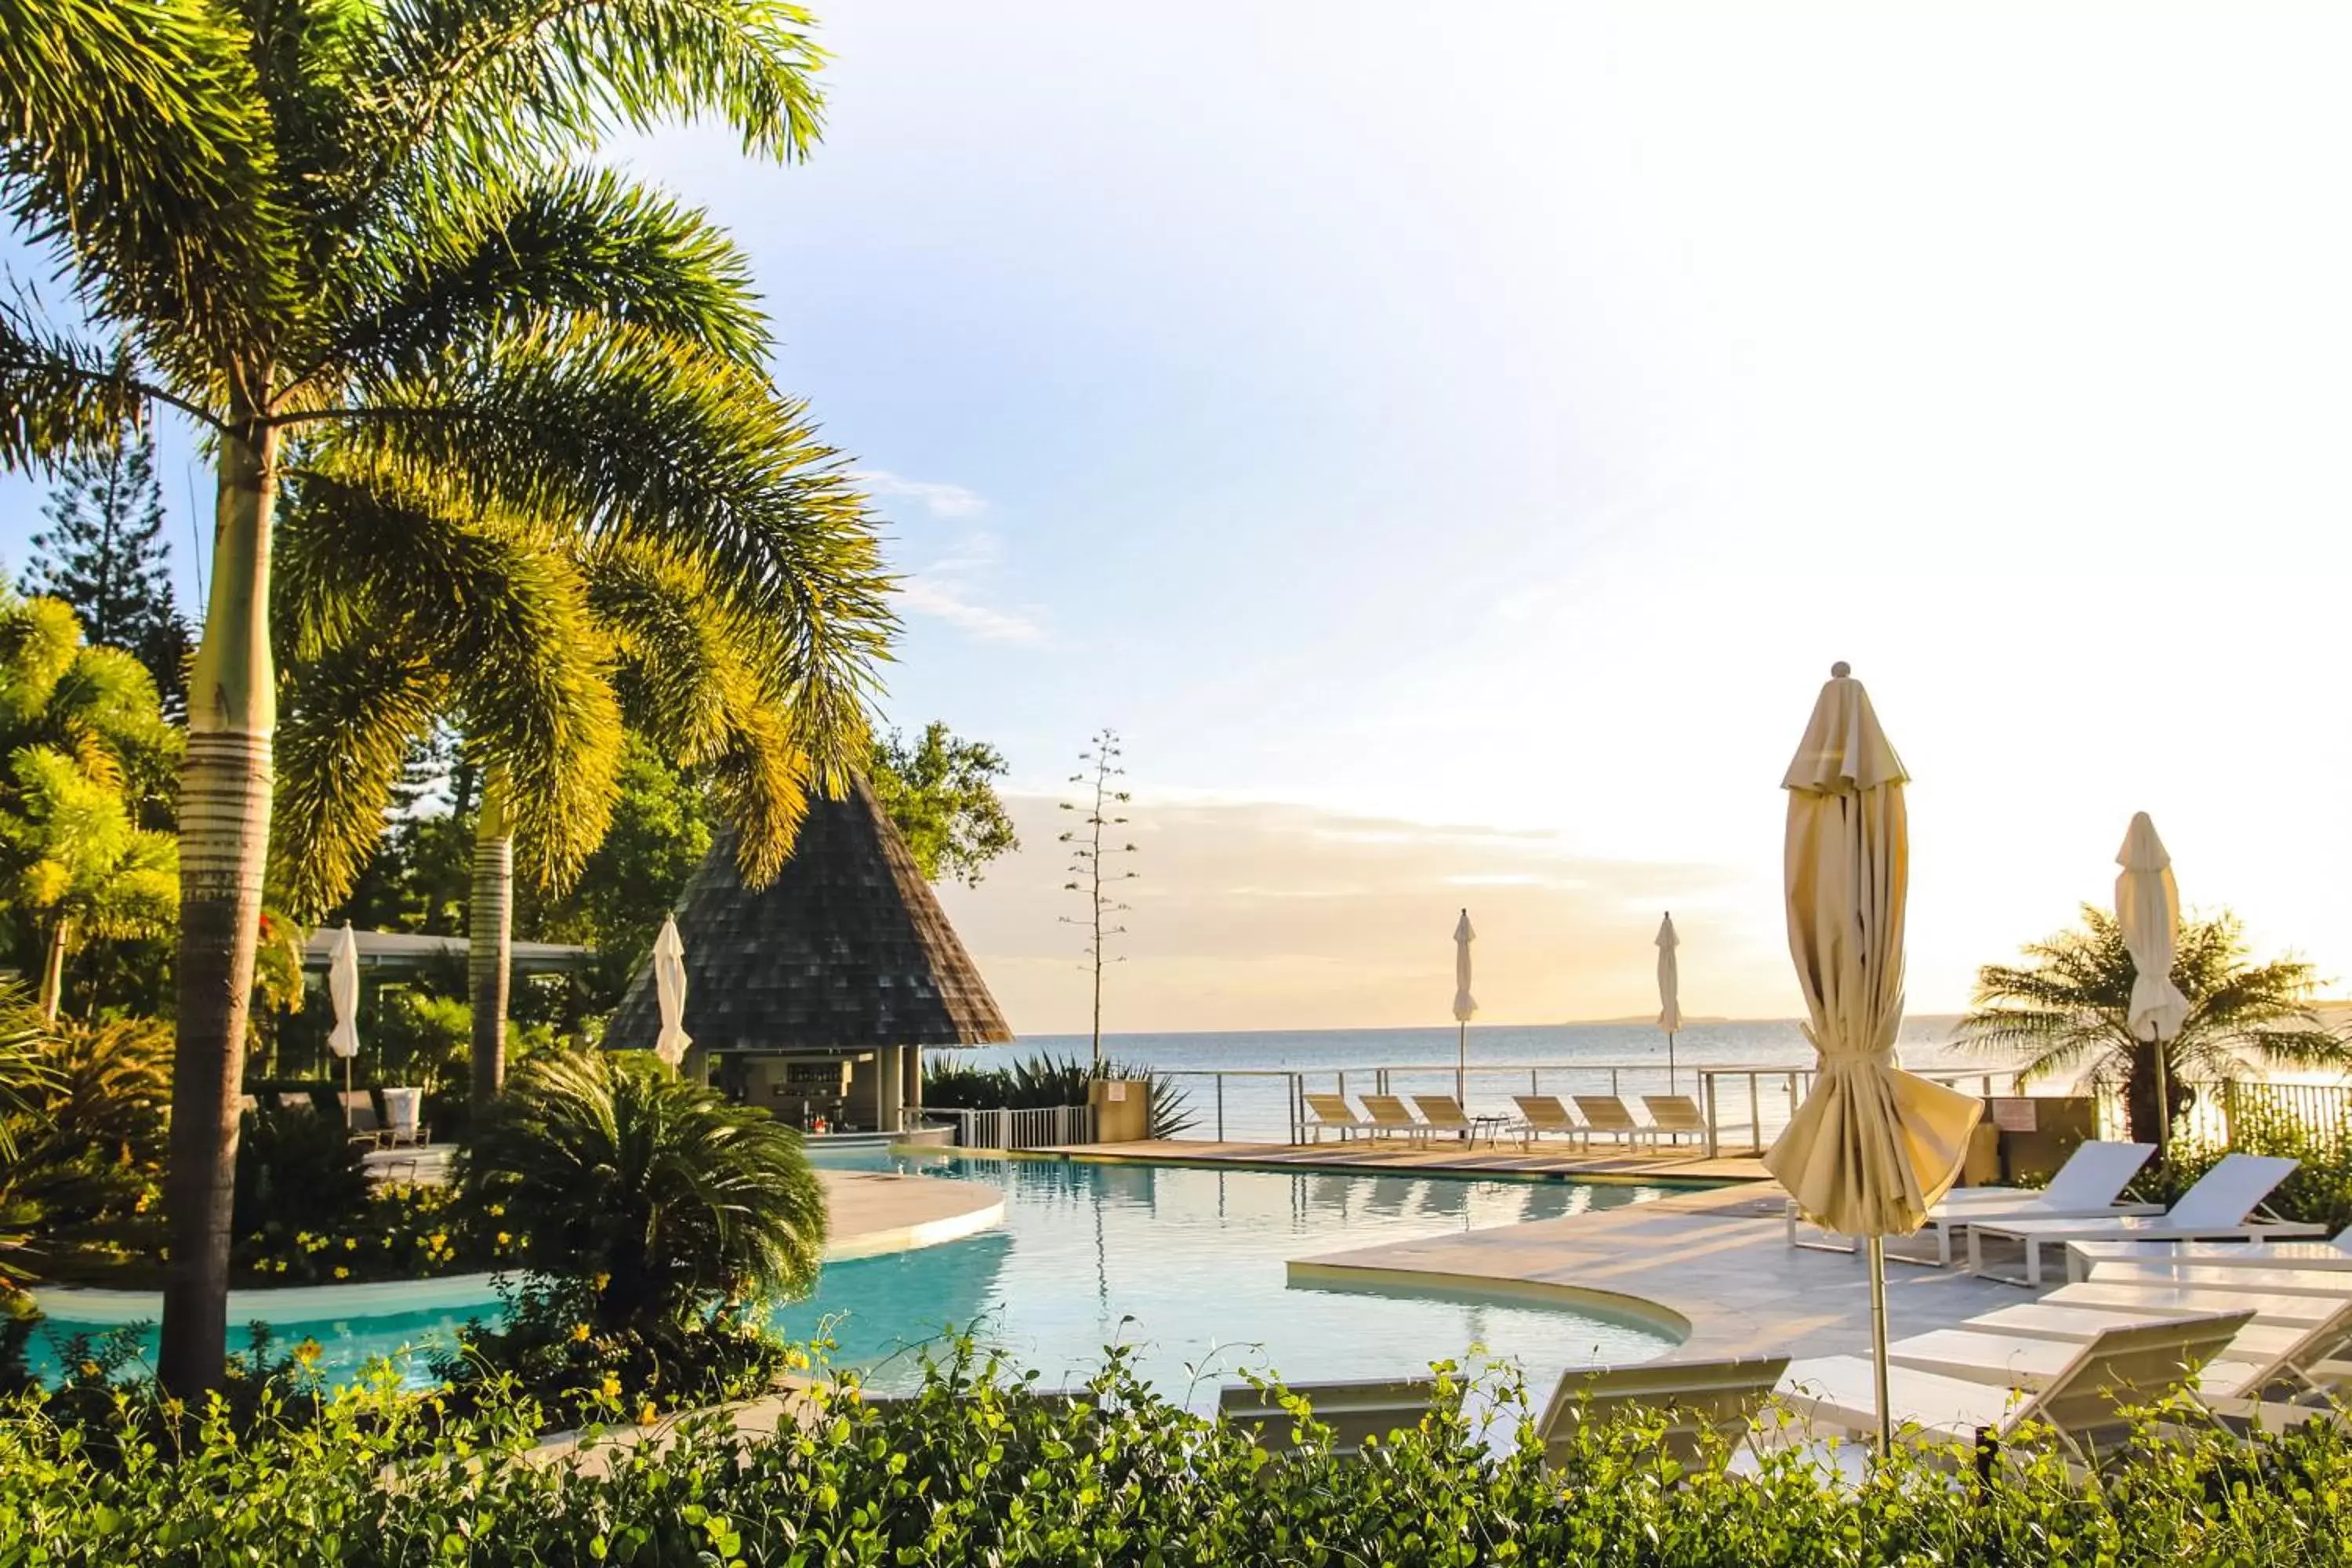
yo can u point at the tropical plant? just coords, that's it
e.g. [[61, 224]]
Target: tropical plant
[[81, 1135], [357, 233], [952, 1083], [1093, 859], [662, 1197], [103, 554], [2068, 1012], [941, 792]]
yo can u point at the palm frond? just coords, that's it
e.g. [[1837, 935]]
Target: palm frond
[[470, 88], [136, 144], [347, 717], [58, 393], [469, 263]]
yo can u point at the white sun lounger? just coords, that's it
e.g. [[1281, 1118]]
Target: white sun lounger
[[1356, 1412], [2334, 1252], [2216, 1209], [1695, 1396], [1389, 1115], [1542, 1113], [1332, 1110], [1607, 1115], [1444, 1114], [2199, 1276], [2297, 1310], [2086, 1186], [2083, 1398], [1676, 1117]]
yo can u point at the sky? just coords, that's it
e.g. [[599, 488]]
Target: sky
[[1450, 447]]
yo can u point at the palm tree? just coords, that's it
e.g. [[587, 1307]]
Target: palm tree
[[363, 221], [537, 663], [662, 1197], [2068, 1012]]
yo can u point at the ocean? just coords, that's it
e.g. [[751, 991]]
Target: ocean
[[1504, 1059]]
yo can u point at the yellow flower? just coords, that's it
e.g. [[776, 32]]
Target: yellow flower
[[602, 1281], [646, 1414], [580, 1333], [498, 1211], [612, 1385], [351, 1243], [341, 1272], [306, 1351], [504, 1240], [90, 1369]]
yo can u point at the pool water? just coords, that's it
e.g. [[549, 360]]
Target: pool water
[[1185, 1265]]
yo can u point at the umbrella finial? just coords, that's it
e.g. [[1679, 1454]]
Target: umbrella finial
[[1840, 670]]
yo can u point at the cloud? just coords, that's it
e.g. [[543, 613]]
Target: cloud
[[954, 585], [940, 500]]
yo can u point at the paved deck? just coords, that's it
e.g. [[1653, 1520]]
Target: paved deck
[[875, 1212], [1436, 1158], [1713, 1266]]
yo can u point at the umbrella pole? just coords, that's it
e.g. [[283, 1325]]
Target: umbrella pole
[[347, 1094], [1670, 1061], [1461, 1059], [1878, 1343], [2163, 1107]]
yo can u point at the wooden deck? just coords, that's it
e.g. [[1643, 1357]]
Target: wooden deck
[[1551, 1162]]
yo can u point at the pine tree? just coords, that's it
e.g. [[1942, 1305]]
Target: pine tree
[[103, 554]]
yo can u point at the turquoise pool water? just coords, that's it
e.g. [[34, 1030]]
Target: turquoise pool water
[[1184, 1263]]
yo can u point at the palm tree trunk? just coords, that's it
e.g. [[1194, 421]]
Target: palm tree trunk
[[224, 786], [53, 971], [490, 942]]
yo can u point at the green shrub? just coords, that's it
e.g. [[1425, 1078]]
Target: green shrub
[[294, 1172], [984, 1468], [664, 1199], [950, 1083], [399, 1231], [2319, 1191]]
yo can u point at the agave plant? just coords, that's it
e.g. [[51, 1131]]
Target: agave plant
[[666, 1199]]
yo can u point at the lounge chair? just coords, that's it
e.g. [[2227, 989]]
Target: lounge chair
[[2200, 1276], [1605, 1114], [2334, 1252], [296, 1102], [2086, 1186], [2083, 1399], [1332, 1110], [1389, 1116], [1355, 1412], [360, 1120], [2149, 1299], [1676, 1116], [1696, 1396], [1542, 1113], [2216, 1209], [1444, 1114], [2264, 1361]]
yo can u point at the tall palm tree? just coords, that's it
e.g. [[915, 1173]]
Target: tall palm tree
[[292, 217], [2069, 1011], [611, 633]]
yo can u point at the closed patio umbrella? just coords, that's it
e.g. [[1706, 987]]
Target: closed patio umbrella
[[344, 998], [669, 994], [2148, 907], [1871, 1147], [1670, 993], [1464, 1006]]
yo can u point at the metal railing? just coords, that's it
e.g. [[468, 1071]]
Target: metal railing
[[1031, 1127], [1770, 1095]]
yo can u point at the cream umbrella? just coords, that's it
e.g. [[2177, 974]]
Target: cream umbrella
[[344, 998], [1871, 1147], [2148, 907], [1670, 990], [1465, 1008], [669, 994]]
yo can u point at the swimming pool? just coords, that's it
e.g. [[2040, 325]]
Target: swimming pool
[[1186, 1264]]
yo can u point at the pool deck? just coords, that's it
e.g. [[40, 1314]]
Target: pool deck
[[1714, 1267], [1390, 1157]]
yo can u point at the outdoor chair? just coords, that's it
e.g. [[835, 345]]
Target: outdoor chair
[[1333, 1111], [1444, 1114], [2086, 1186], [1676, 1116], [2217, 1208], [296, 1102], [2083, 1400], [1608, 1115], [2284, 1280], [1697, 1397], [1389, 1116], [2267, 1362], [1542, 1113], [406, 1129], [1355, 1412], [360, 1120], [2335, 1253]]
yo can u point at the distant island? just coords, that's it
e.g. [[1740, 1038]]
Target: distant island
[[1649, 1020]]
